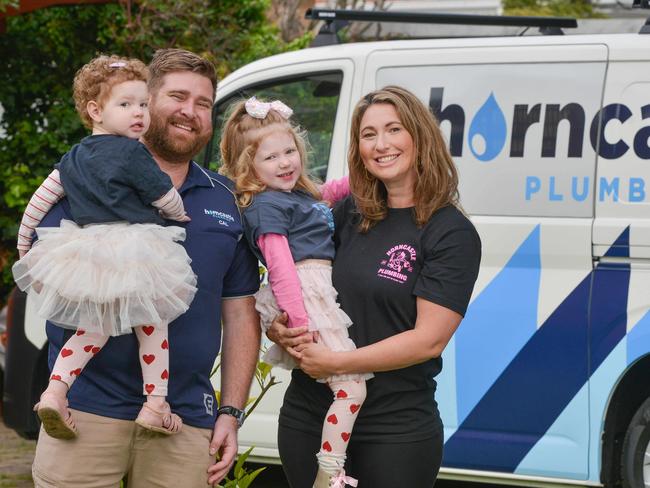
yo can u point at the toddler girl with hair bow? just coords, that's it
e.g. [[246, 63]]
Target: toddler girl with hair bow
[[290, 230], [116, 268]]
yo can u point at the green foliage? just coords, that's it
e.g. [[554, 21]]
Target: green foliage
[[228, 32], [39, 54], [41, 51], [561, 8], [4, 4], [243, 478]]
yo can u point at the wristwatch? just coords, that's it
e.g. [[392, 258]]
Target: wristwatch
[[240, 415]]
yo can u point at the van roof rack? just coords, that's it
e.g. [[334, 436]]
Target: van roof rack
[[335, 19]]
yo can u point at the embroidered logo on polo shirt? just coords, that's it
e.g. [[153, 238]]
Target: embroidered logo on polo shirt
[[397, 266], [222, 217], [208, 403]]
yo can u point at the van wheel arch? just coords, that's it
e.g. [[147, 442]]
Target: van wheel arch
[[636, 446], [632, 391]]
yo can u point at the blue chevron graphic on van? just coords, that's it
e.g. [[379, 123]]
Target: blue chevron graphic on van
[[497, 325], [546, 374], [609, 302], [638, 339]]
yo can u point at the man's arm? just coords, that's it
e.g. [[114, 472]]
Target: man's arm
[[239, 355]]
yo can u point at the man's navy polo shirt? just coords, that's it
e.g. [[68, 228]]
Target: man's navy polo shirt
[[111, 383]]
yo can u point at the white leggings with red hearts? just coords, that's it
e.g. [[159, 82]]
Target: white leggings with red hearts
[[349, 395], [153, 352]]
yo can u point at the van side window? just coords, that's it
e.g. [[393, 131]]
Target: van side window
[[314, 99]]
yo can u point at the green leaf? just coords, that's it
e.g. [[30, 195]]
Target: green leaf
[[246, 480], [239, 465]]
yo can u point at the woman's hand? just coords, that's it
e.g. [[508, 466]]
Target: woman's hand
[[288, 338], [316, 360]]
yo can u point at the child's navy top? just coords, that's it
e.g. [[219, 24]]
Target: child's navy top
[[109, 178], [307, 223]]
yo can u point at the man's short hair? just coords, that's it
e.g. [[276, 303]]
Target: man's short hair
[[172, 60]]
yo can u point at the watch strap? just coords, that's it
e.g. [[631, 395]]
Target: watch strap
[[239, 414]]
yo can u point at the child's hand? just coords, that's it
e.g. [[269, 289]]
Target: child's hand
[[170, 206]]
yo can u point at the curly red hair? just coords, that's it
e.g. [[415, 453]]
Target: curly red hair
[[93, 82]]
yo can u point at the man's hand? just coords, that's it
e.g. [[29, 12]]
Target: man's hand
[[224, 446], [288, 338]]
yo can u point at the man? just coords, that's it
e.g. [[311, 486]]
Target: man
[[106, 398]]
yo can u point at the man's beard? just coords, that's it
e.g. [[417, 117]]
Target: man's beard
[[175, 150]]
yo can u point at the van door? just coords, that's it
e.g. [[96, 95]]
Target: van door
[[620, 313], [513, 393]]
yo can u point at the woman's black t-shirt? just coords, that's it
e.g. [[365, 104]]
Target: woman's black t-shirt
[[379, 275]]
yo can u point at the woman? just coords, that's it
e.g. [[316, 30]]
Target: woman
[[406, 262]]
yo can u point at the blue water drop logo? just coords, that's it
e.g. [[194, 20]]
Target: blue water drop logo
[[487, 133]]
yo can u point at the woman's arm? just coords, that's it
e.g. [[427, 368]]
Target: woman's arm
[[434, 327], [335, 190]]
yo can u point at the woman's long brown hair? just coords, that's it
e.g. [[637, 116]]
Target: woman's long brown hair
[[436, 183]]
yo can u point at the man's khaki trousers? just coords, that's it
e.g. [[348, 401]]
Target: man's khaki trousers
[[106, 449]]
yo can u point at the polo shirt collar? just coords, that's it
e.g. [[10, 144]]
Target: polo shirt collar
[[196, 176]]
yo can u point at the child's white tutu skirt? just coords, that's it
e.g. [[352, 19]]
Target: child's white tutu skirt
[[108, 278], [325, 316]]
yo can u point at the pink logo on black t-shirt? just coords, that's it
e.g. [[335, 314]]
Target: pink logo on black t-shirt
[[398, 263]]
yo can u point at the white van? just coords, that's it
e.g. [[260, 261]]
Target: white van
[[548, 378]]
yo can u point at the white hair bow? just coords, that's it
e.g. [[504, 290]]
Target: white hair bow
[[260, 110]]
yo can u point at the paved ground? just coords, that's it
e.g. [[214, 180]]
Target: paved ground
[[16, 456]]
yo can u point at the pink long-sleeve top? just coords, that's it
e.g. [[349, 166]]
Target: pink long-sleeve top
[[283, 277]]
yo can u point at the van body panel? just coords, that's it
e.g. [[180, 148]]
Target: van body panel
[[494, 363], [622, 200], [517, 129], [621, 232], [35, 334]]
